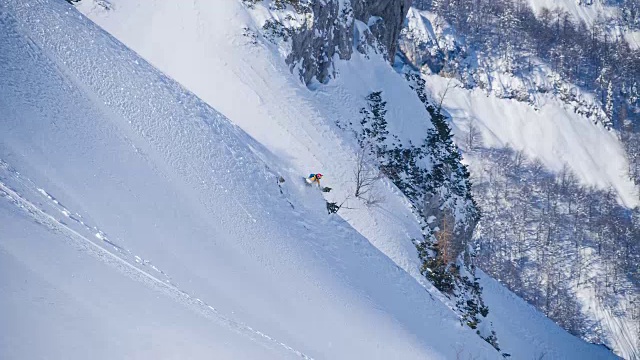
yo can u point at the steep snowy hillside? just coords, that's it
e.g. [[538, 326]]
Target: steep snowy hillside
[[138, 222], [223, 53], [551, 133], [619, 17], [589, 11]]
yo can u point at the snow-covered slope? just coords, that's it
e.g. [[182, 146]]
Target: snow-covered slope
[[262, 96], [552, 133], [580, 11], [212, 50], [507, 303], [145, 224], [592, 13]]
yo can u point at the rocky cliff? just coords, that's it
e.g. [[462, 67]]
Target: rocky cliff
[[333, 27]]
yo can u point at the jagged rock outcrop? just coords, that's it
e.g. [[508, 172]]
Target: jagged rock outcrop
[[338, 25], [391, 14]]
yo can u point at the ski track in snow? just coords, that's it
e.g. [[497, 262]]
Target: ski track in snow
[[123, 260], [74, 218]]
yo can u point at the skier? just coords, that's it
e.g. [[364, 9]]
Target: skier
[[314, 178]]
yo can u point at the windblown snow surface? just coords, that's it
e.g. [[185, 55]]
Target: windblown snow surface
[[138, 222]]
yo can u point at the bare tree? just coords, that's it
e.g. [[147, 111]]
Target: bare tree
[[473, 139], [540, 355], [366, 175], [445, 238], [442, 95]]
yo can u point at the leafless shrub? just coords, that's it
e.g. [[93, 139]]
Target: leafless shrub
[[366, 177]]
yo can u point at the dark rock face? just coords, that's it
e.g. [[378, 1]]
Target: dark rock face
[[392, 14], [334, 32], [314, 47]]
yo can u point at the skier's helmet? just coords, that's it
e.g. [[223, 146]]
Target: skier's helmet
[[319, 176]]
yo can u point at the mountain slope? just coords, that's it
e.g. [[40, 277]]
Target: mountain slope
[[113, 159], [206, 45]]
